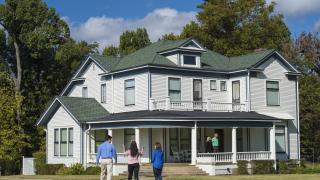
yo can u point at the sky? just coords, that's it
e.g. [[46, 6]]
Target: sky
[[103, 21]]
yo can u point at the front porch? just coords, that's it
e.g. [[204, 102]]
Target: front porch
[[187, 144]]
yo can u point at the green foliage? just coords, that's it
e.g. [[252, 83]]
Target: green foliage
[[11, 140], [242, 167], [39, 161], [74, 169], [131, 41], [50, 169], [94, 170], [111, 51], [262, 167], [171, 37], [238, 27], [283, 167]]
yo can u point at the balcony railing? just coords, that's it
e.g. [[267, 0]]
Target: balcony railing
[[167, 104], [209, 158]]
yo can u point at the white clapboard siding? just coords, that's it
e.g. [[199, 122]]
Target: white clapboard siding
[[173, 58], [61, 119], [275, 70], [159, 87], [141, 93]]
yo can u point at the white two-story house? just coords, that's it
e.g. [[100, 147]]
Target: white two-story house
[[178, 93]]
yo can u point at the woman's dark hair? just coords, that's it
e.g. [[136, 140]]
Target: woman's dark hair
[[158, 146], [133, 149]]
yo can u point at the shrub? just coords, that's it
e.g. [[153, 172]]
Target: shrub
[[283, 167], [242, 167], [93, 170], [39, 161], [262, 167], [50, 169], [74, 169]]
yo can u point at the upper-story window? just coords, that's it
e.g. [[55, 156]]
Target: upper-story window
[[84, 91], [129, 92], [175, 89], [213, 85], [223, 85], [273, 98], [189, 60], [103, 93]]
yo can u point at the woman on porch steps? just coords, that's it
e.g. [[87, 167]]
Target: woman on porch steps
[[133, 160]]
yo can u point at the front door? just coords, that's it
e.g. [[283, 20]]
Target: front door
[[235, 95], [197, 94]]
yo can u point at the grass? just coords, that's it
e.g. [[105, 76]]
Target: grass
[[252, 177]]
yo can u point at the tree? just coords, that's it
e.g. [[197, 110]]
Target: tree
[[11, 140], [235, 27], [32, 25], [111, 51], [304, 52], [170, 36], [131, 41]]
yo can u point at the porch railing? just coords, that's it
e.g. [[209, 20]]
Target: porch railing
[[258, 155], [167, 104], [214, 157], [121, 158], [209, 158]]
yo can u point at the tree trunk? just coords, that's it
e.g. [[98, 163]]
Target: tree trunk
[[18, 78]]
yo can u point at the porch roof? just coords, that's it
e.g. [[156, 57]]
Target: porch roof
[[186, 115]]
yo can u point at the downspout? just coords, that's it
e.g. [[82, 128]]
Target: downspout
[[112, 81], [298, 118], [86, 145]]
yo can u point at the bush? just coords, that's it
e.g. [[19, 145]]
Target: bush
[[242, 167], [262, 167], [74, 169], [39, 161], [283, 167], [92, 170], [50, 169]]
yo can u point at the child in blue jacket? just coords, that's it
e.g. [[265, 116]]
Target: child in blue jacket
[[157, 161]]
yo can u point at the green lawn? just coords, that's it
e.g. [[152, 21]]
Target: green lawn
[[255, 177]]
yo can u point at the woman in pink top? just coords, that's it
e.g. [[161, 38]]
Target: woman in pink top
[[133, 160]]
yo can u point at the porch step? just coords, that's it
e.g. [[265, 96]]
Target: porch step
[[171, 170]]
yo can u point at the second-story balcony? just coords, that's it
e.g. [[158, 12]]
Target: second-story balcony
[[167, 104]]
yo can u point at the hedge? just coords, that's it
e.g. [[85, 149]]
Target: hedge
[[262, 167], [242, 167]]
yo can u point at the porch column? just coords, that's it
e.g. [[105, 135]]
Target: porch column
[[234, 145], [272, 136], [110, 132], [194, 144], [137, 137]]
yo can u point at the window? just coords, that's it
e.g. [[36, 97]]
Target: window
[[129, 135], [129, 92], [213, 85], [100, 137], [280, 139], [223, 86], [84, 91], [56, 142], [70, 145], [103, 93], [273, 93], [175, 89], [63, 142], [189, 60]]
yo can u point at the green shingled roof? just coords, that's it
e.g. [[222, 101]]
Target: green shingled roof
[[83, 109], [150, 56]]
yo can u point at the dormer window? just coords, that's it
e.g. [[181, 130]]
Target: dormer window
[[189, 60]]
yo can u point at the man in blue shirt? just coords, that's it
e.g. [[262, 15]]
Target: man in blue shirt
[[107, 152]]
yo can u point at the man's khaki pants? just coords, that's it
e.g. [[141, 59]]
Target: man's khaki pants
[[106, 169]]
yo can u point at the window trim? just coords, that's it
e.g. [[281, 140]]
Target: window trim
[[210, 85], [223, 90], [266, 92], [284, 137], [168, 84], [59, 139], [103, 101], [134, 89], [87, 93]]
